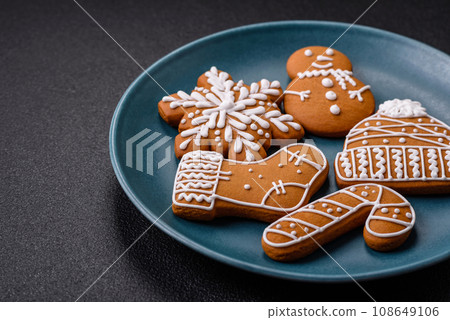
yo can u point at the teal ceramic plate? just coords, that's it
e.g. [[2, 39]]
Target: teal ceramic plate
[[395, 67]]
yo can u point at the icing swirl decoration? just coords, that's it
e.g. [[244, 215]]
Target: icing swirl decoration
[[402, 109], [234, 115]]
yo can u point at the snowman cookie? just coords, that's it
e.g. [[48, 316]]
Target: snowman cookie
[[401, 146], [228, 117], [323, 95]]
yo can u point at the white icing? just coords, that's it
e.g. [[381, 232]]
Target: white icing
[[308, 53], [375, 205], [302, 94], [334, 109], [432, 156], [329, 52], [363, 163], [341, 76], [357, 93], [200, 172], [402, 109], [398, 157], [205, 167], [327, 82], [322, 66], [404, 160], [331, 95], [346, 164], [223, 108]]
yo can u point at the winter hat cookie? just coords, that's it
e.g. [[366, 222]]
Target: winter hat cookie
[[388, 218], [401, 146], [208, 186], [323, 95], [228, 117]]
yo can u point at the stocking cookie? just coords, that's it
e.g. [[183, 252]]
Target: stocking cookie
[[323, 95], [228, 117], [208, 186], [401, 146], [387, 216]]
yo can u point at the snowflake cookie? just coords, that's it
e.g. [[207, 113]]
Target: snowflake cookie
[[228, 117], [401, 146], [323, 94]]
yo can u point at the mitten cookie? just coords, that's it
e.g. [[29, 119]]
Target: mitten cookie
[[388, 219], [323, 95], [401, 146], [228, 117], [207, 186]]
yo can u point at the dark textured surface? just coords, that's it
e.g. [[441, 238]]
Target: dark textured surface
[[64, 218]]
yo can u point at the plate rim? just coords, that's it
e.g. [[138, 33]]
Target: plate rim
[[244, 265]]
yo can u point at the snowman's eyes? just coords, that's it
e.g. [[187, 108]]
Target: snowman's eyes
[[308, 53], [329, 52]]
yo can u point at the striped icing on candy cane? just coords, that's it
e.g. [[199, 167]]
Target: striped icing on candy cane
[[297, 227]]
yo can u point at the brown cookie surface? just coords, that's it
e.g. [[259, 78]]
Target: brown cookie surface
[[232, 118], [401, 146], [208, 186], [323, 95], [388, 218]]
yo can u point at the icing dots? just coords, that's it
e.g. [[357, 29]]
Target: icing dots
[[334, 109], [327, 82], [247, 187], [308, 53], [331, 95], [329, 52]]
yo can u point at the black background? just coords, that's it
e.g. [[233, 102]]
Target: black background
[[63, 216]]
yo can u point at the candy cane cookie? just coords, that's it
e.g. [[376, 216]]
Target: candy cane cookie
[[388, 218], [208, 186]]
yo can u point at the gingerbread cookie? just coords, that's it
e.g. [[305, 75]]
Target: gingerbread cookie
[[388, 218], [208, 186], [323, 95], [228, 117], [401, 146]]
